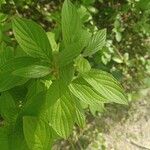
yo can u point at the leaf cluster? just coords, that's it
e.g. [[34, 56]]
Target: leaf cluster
[[47, 84]]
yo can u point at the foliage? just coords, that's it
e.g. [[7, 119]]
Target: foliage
[[46, 83], [126, 53]]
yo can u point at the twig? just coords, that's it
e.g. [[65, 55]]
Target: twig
[[139, 145]]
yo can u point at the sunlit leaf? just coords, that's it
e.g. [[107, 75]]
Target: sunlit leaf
[[32, 38]]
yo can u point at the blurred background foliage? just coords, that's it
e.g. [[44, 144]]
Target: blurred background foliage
[[127, 51]]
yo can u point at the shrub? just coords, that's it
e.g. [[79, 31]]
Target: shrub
[[46, 84]]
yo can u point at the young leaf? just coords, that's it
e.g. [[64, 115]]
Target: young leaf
[[34, 71], [54, 45], [82, 65], [69, 54], [37, 133], [71, 23], [32, 38], [106, 85], [74, 49], [85, 15], [96, 43], [74, 37]]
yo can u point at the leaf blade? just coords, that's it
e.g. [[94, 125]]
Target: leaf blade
[[61, 115], [85, 93], [96, 43], [71, 23], [60, 108], [8, 109], [33, 71], [105, 84], [9, 81], [32, 38], [37, 133]]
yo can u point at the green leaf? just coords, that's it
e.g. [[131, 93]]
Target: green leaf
[[86, 93], [66, 74], [34, 71], [61, 115], [37, 133], [71, 23], [60, 103], [69, 54], [97, 108], [32, 38], [8, 81], [19, 52], [16, 138], [96, 43], [74, 49], [17, 63], [56, 89], [6, 54], [74, 37], [60, 108], [82, 65], [54, 45], [118, 36], [84, 14], [117, 59], [80, 116], [106, 85], [18, 93], [34, 104], [4, 145], [18, 142], [2, 2], [60, 86], [88, 2], [34, 88], [8, 108], [35, 99]]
